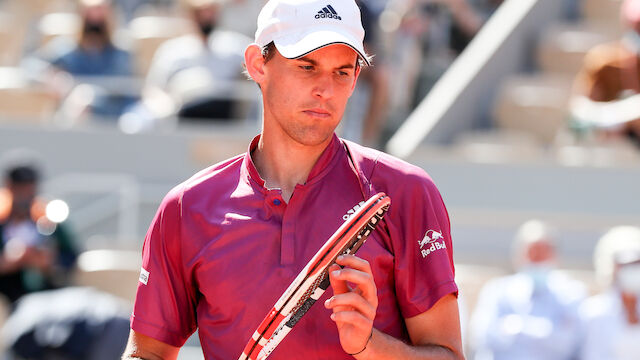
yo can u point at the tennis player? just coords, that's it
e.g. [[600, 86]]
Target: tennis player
[[226, 243]]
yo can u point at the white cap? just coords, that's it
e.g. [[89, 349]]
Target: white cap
[[298, 27]]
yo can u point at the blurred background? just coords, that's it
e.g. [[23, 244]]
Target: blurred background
[[518, 109]]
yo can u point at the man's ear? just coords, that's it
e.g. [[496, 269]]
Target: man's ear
[[254, 62]]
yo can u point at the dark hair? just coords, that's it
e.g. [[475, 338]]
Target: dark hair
[[269, 51], [22, 174]]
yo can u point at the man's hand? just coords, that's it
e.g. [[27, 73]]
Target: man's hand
[[354, 308]]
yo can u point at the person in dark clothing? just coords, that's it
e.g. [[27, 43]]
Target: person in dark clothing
[[35, 252]]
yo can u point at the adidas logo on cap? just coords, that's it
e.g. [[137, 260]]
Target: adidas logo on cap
[[328, 12]]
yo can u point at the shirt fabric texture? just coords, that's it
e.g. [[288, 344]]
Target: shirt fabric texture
[[223, 248]]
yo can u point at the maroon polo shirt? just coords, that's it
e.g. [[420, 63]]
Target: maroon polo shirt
[[223, 248]]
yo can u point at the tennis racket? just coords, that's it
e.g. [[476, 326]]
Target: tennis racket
[[313, 280]]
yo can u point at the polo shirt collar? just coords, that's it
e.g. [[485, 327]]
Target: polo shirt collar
[[325, 163]]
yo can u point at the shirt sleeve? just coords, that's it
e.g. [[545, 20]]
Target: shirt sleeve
[[421, 242], [164, 308]]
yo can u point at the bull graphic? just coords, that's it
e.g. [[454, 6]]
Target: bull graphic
[[429, 237]]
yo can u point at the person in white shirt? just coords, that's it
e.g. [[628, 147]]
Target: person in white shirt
[[531, 314], [192, 76], [612, 318]]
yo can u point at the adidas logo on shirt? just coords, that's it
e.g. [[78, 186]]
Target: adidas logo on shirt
[[328, 12]]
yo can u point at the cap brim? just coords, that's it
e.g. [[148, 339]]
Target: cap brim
[[295, 46]]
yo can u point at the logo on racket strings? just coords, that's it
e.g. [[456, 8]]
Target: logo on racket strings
[[350, 213]]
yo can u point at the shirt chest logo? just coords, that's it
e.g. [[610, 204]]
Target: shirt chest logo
[[432, 241]]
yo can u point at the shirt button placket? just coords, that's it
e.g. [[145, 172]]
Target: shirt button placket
[[288, 233]]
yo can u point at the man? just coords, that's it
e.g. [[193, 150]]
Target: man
[[612, 318], [533, 313], [86, 59], [607, 87], [197, 71], [226, 243], [35, 252]]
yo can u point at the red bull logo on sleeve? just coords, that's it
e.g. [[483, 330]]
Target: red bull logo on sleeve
[[432, 241]]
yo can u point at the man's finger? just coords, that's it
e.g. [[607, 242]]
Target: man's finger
[[338, 286], [364, 281], [354, 262], [351, 301]]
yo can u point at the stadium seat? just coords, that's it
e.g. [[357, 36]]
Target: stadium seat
[[12, 35], [606, 12], [58, 24], [534, 104], [498, 146], [148, 32], [21, 102], [112, 271], [562, 47]]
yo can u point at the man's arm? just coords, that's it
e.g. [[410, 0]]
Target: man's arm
[[435, 334], [142, 347]]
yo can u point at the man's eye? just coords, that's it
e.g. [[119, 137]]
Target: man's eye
[[306, 67], [343, 73]]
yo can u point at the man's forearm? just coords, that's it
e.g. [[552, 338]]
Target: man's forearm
[[383, 347]]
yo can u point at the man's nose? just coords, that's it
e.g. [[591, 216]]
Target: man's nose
[[324, 86]]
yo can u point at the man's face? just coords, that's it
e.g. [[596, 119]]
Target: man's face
[[206, 18], [95, 20], [23, 196], [305, 98], [540, 252]]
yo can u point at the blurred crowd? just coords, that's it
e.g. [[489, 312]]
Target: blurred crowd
[[607, 87], [147, 63], [540, 312]]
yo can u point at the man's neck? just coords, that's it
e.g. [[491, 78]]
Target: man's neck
[[284, 163]]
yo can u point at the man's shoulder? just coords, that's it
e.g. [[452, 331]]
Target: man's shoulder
[[227, 41], [387, 171], [600, 307], [209, 180], [181, 46]]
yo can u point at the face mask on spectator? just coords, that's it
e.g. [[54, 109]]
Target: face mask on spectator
[[206, 27], [629, 279], [538, 272], [632, 40], [95, 28], [22, 206]]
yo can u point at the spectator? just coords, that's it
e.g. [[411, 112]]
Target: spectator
[[425, 36], [531, 314], [612, 318], [35, 252], [607, 87], [84, 61], [196, 71], [450, 26], [72, 324]]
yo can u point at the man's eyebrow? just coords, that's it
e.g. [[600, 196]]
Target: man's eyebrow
[[310, 61], [315, 63]]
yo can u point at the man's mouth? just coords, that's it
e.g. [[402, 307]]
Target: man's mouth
[[317, 112]]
